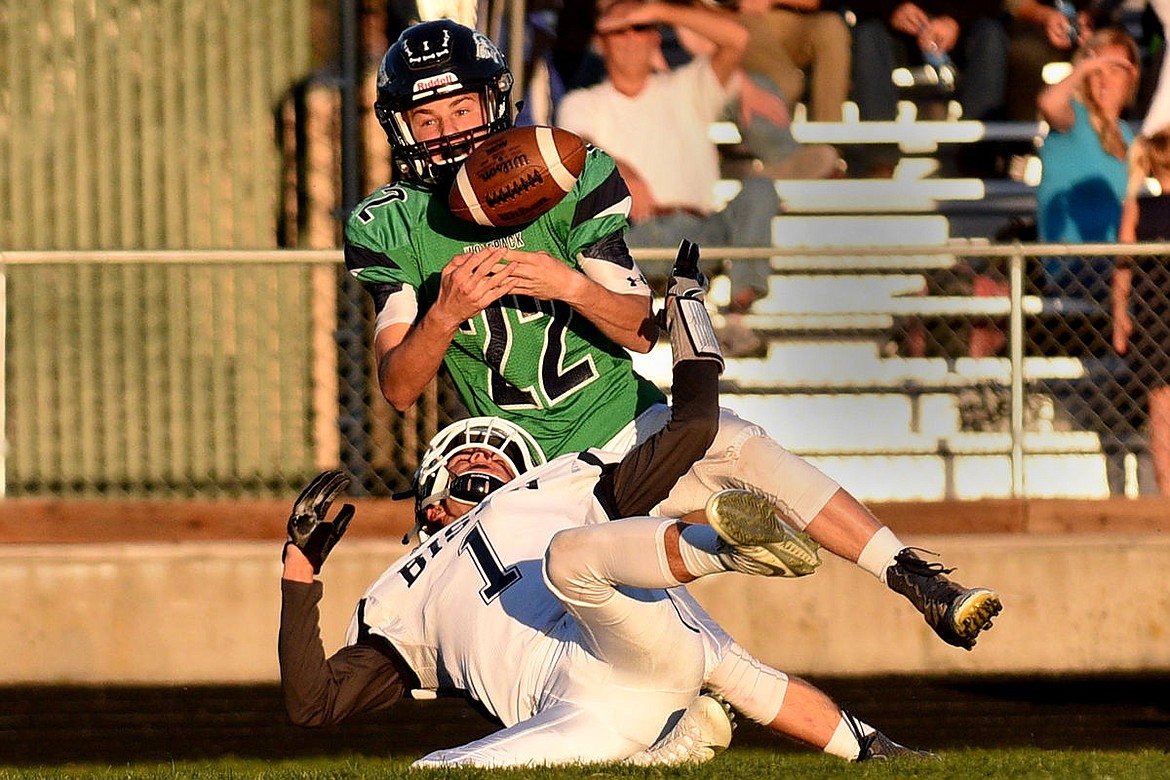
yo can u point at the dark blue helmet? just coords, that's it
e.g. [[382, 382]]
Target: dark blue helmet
[[434, 60]]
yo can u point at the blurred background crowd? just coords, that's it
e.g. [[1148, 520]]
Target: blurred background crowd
[[987, 56], [1062, 88]]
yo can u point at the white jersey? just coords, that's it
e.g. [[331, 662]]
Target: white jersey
[[499, 647]]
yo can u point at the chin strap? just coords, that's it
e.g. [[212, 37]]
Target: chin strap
[[419, 516]]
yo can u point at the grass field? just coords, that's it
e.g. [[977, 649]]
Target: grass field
[[736, 764]]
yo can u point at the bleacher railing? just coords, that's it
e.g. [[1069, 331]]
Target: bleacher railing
[[173, 374]]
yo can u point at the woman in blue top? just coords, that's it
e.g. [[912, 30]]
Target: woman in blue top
[[1084, 178]]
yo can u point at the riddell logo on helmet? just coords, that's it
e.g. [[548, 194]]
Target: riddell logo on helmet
[[434, 82]]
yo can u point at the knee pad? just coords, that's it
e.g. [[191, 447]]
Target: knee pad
[[585, 565], [752, 687], [569, 575], [796, 486]]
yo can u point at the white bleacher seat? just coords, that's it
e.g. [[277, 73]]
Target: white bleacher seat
[[825, 293], [807, 230], [850, 365], [899, 194], [911, 134], [875, 305], [936, 477], [890, 427]]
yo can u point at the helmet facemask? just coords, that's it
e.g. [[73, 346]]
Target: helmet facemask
[[433, 482]]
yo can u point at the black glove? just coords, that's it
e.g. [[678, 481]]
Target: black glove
[[687, 280], [308, 529], [691, 335]]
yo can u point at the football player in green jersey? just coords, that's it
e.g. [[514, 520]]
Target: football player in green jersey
[[534, 322], [540, 339]]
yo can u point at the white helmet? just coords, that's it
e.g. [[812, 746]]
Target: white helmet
[[433, 482]]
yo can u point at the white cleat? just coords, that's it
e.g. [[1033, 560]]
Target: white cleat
[[756, 538], [703, 730]]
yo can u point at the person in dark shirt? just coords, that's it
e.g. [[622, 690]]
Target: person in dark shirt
[[966, 36], [1140, 294]]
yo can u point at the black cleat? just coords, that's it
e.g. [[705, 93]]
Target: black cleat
[[876, 746], [956, 614]]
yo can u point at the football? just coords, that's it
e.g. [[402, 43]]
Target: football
[[516, 175]]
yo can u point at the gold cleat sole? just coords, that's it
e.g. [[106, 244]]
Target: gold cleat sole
[[750, 524], [973, 614]]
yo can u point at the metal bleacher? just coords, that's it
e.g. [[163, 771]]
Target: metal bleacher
[[830, 387]]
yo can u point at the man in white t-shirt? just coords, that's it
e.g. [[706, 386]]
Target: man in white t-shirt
[[655, 122]]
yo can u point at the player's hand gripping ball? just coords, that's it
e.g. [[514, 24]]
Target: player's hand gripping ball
[[307, 527], [515, 176]]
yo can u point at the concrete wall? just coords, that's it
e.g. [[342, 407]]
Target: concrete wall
[[208, 611]]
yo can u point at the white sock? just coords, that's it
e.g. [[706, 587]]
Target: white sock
[[879, 552], [844, 742], [696, 546]]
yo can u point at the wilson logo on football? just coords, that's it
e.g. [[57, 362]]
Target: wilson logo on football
[[503, 166]]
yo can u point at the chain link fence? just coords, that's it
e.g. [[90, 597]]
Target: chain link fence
[[211, 374], [963, 370]]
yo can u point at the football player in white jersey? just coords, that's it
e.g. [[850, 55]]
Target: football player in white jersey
[[566, 627]]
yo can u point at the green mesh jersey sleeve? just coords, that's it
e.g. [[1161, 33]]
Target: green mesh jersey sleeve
[[379, 250], [599, 204]]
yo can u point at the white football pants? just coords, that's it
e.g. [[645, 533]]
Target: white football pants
[[632, 658], [742, 456]]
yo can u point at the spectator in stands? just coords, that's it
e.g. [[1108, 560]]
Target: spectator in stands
[[761, 112], [1084, 171], [1040, 33], [968, 33], [787, 37], [758, 107], [1141, 294], [655, 124]]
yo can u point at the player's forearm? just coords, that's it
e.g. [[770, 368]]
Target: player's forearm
[[296, 566], [407, 367], [320, 691], [309, 690], [646, 475], [624, 319]]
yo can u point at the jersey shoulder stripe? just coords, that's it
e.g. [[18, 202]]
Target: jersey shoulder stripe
[[381, 275], [608, 197]]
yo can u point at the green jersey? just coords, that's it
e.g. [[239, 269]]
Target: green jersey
[[535, 362]]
